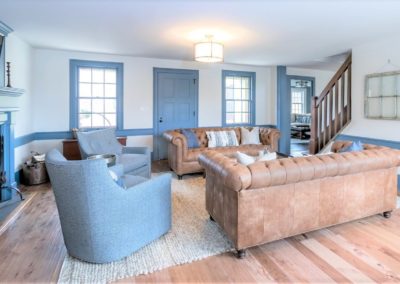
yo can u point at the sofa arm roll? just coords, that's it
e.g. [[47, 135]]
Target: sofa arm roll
[[233, 175], [175, 138], [270, 136]]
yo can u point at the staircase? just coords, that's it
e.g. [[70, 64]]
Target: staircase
[[331, 110]]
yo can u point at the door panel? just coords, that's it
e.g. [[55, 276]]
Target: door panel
[[175, 104]]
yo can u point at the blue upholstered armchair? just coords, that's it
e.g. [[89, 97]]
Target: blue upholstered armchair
[[135, 160], [101, 221]]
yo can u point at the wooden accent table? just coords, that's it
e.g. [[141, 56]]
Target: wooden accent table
[[71, 148]]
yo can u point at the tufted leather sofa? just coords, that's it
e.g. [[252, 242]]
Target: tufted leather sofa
[[183, 160], [267, 201]]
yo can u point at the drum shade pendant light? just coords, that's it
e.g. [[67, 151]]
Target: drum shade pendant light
[[209, 51]]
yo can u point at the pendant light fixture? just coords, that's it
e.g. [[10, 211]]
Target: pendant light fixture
[[209, 51]]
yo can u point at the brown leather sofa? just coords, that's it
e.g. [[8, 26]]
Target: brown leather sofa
[[267, 201], [183, 160]]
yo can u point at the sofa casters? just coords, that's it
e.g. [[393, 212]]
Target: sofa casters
[[387, 214], [241, 253]]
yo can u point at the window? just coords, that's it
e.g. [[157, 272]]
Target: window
[[298, 100], [238, 90], [96, 94]]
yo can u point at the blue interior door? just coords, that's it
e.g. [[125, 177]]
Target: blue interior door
[[176, 103]]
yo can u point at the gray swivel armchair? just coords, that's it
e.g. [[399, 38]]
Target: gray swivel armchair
[[101, 221], [135, 160]]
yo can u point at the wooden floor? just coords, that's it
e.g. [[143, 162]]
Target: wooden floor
[[32, 250]]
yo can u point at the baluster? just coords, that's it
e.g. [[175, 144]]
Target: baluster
[[314, 126], [336, 121], [349, 93], [320, 126], [342, 102], [325, 121], [330, 113]]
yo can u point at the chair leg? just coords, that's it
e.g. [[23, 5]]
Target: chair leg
[[387, 214], [241, 253]]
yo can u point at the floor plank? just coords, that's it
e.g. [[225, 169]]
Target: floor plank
[[32, 250]]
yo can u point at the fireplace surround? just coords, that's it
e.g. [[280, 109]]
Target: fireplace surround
[[8, 106]]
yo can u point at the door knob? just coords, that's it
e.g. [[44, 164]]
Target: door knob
[[161, 119]]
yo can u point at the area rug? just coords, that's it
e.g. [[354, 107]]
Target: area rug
[[192, 237]]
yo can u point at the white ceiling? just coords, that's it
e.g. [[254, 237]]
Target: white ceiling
[[297, 33]]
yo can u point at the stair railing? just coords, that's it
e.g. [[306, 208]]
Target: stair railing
[[331, 110]]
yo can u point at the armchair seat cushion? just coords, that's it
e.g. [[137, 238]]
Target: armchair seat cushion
[[131, 180], [131, 162]]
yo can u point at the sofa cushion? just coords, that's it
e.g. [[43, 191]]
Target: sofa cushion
[[191, 138], [132, 162], [250, 137]]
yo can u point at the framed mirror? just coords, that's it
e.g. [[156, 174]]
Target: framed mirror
[[382, 96]]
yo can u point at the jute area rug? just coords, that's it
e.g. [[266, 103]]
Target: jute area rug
[[192, 237]]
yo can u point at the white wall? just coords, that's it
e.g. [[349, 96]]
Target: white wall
[[51, 89], [322, 77], [370, 58], [19, 53]]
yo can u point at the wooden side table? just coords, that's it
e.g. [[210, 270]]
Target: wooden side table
[[71, 148]]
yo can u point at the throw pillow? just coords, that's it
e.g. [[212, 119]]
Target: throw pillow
[[191, 138], [250, 137], [263, 156], [232, 139], [244, 159], [353, 147], [217, 139], [266, 156]]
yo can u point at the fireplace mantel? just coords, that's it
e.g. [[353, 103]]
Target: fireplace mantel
[[11, 92]]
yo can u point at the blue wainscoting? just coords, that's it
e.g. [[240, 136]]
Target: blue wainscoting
[[367, 140]]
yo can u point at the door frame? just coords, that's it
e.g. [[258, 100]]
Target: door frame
[[156, 72], [284, 102]]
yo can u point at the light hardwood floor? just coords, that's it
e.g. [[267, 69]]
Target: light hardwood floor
[[32, 250]]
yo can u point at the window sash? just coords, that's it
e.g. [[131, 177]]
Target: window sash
[[238, 93], [102, 95]]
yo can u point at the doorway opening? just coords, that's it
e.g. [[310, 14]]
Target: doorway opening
[[301, 92]]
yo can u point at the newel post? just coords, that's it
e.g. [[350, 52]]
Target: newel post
[[314, 127]]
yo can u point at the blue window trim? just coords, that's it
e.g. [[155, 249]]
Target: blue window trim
[[74, 64], [252, 76]]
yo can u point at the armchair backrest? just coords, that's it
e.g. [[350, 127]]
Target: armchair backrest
[[103, 141]]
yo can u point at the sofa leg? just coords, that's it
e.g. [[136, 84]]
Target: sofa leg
[[241, 253], [180, 177], [387, 214], [204, 174], [211, 218]]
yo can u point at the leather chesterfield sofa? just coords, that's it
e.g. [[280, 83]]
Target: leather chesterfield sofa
[[267, 201], [183, 160]]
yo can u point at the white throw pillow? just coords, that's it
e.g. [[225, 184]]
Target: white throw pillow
[[266, 156], [250, 137], [245, 159], [232, 139], [216, 139]]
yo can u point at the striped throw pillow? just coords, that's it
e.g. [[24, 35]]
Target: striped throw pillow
[[221, 138], [232, 139]]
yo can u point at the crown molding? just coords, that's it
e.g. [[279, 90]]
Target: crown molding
[[5, 29]]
